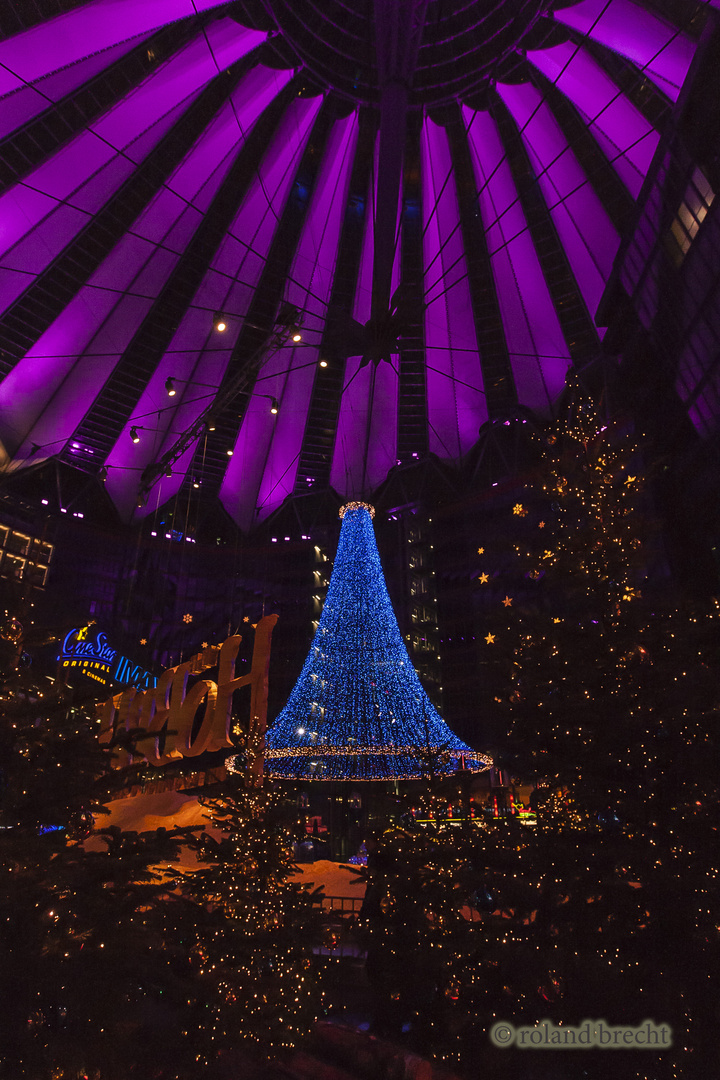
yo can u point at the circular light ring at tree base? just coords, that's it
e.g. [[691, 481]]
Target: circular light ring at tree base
[[358, 709], [363, 766]]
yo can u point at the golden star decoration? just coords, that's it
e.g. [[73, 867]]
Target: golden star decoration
[[187, 618], [481, 551], [490, 639], [518, 508], [507, 602], [541, 525], [483, 579], [246, 618], [143, 641], [204, 645]]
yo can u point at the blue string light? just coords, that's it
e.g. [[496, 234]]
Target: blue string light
[[358, 710]]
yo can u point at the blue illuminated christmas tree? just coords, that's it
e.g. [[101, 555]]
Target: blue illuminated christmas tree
[[358, 710]]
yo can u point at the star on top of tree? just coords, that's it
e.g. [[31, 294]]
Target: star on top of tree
[[507, 602]]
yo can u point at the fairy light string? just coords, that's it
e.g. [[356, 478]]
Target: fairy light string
[[358, 709]]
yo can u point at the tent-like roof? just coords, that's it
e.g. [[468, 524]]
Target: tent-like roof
[[430, 194]]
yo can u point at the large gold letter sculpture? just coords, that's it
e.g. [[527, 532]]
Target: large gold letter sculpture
[[172, 707]]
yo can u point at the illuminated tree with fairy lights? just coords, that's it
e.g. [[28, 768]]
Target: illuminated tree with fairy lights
[[253, 944], [358, 710], [608, 908]]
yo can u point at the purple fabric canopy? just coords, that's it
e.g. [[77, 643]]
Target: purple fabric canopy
[[166, 161]]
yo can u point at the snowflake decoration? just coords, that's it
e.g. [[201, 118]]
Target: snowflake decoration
[[187, 618]]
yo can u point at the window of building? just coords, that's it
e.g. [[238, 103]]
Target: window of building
[[693, 210]]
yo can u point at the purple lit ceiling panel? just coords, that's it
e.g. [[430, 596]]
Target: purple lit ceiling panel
[[626, 137], [456, 398], [57, 209], [228, 132], [236, 268], [366, 443], [289, 374], [195, 348], [538, 353], [196, 352], [77, 390], [159, 418], [587, 233], [239, 172], [174, 82], [89, 29], [51, 387], [31, 385], [33, 253], [22, 105], [136, 266], [656, 47], [149, 112]]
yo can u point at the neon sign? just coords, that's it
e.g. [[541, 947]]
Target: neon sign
[[89, 653]]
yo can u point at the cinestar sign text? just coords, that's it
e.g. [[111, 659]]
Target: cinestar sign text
[[87, 652], [169, 709]]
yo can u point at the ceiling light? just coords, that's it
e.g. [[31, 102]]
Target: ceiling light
[[297, 336], [134, 435], [170, 387], [219, 322], [210, 422], [274, 407], [168, 470], [229, 453], [323, 363], [196, 483]]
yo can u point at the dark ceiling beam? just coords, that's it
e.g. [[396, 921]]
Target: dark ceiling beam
[[499, 384], [575, 320], [412, 434], [322, 419], [23, 14], [398, 31]]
